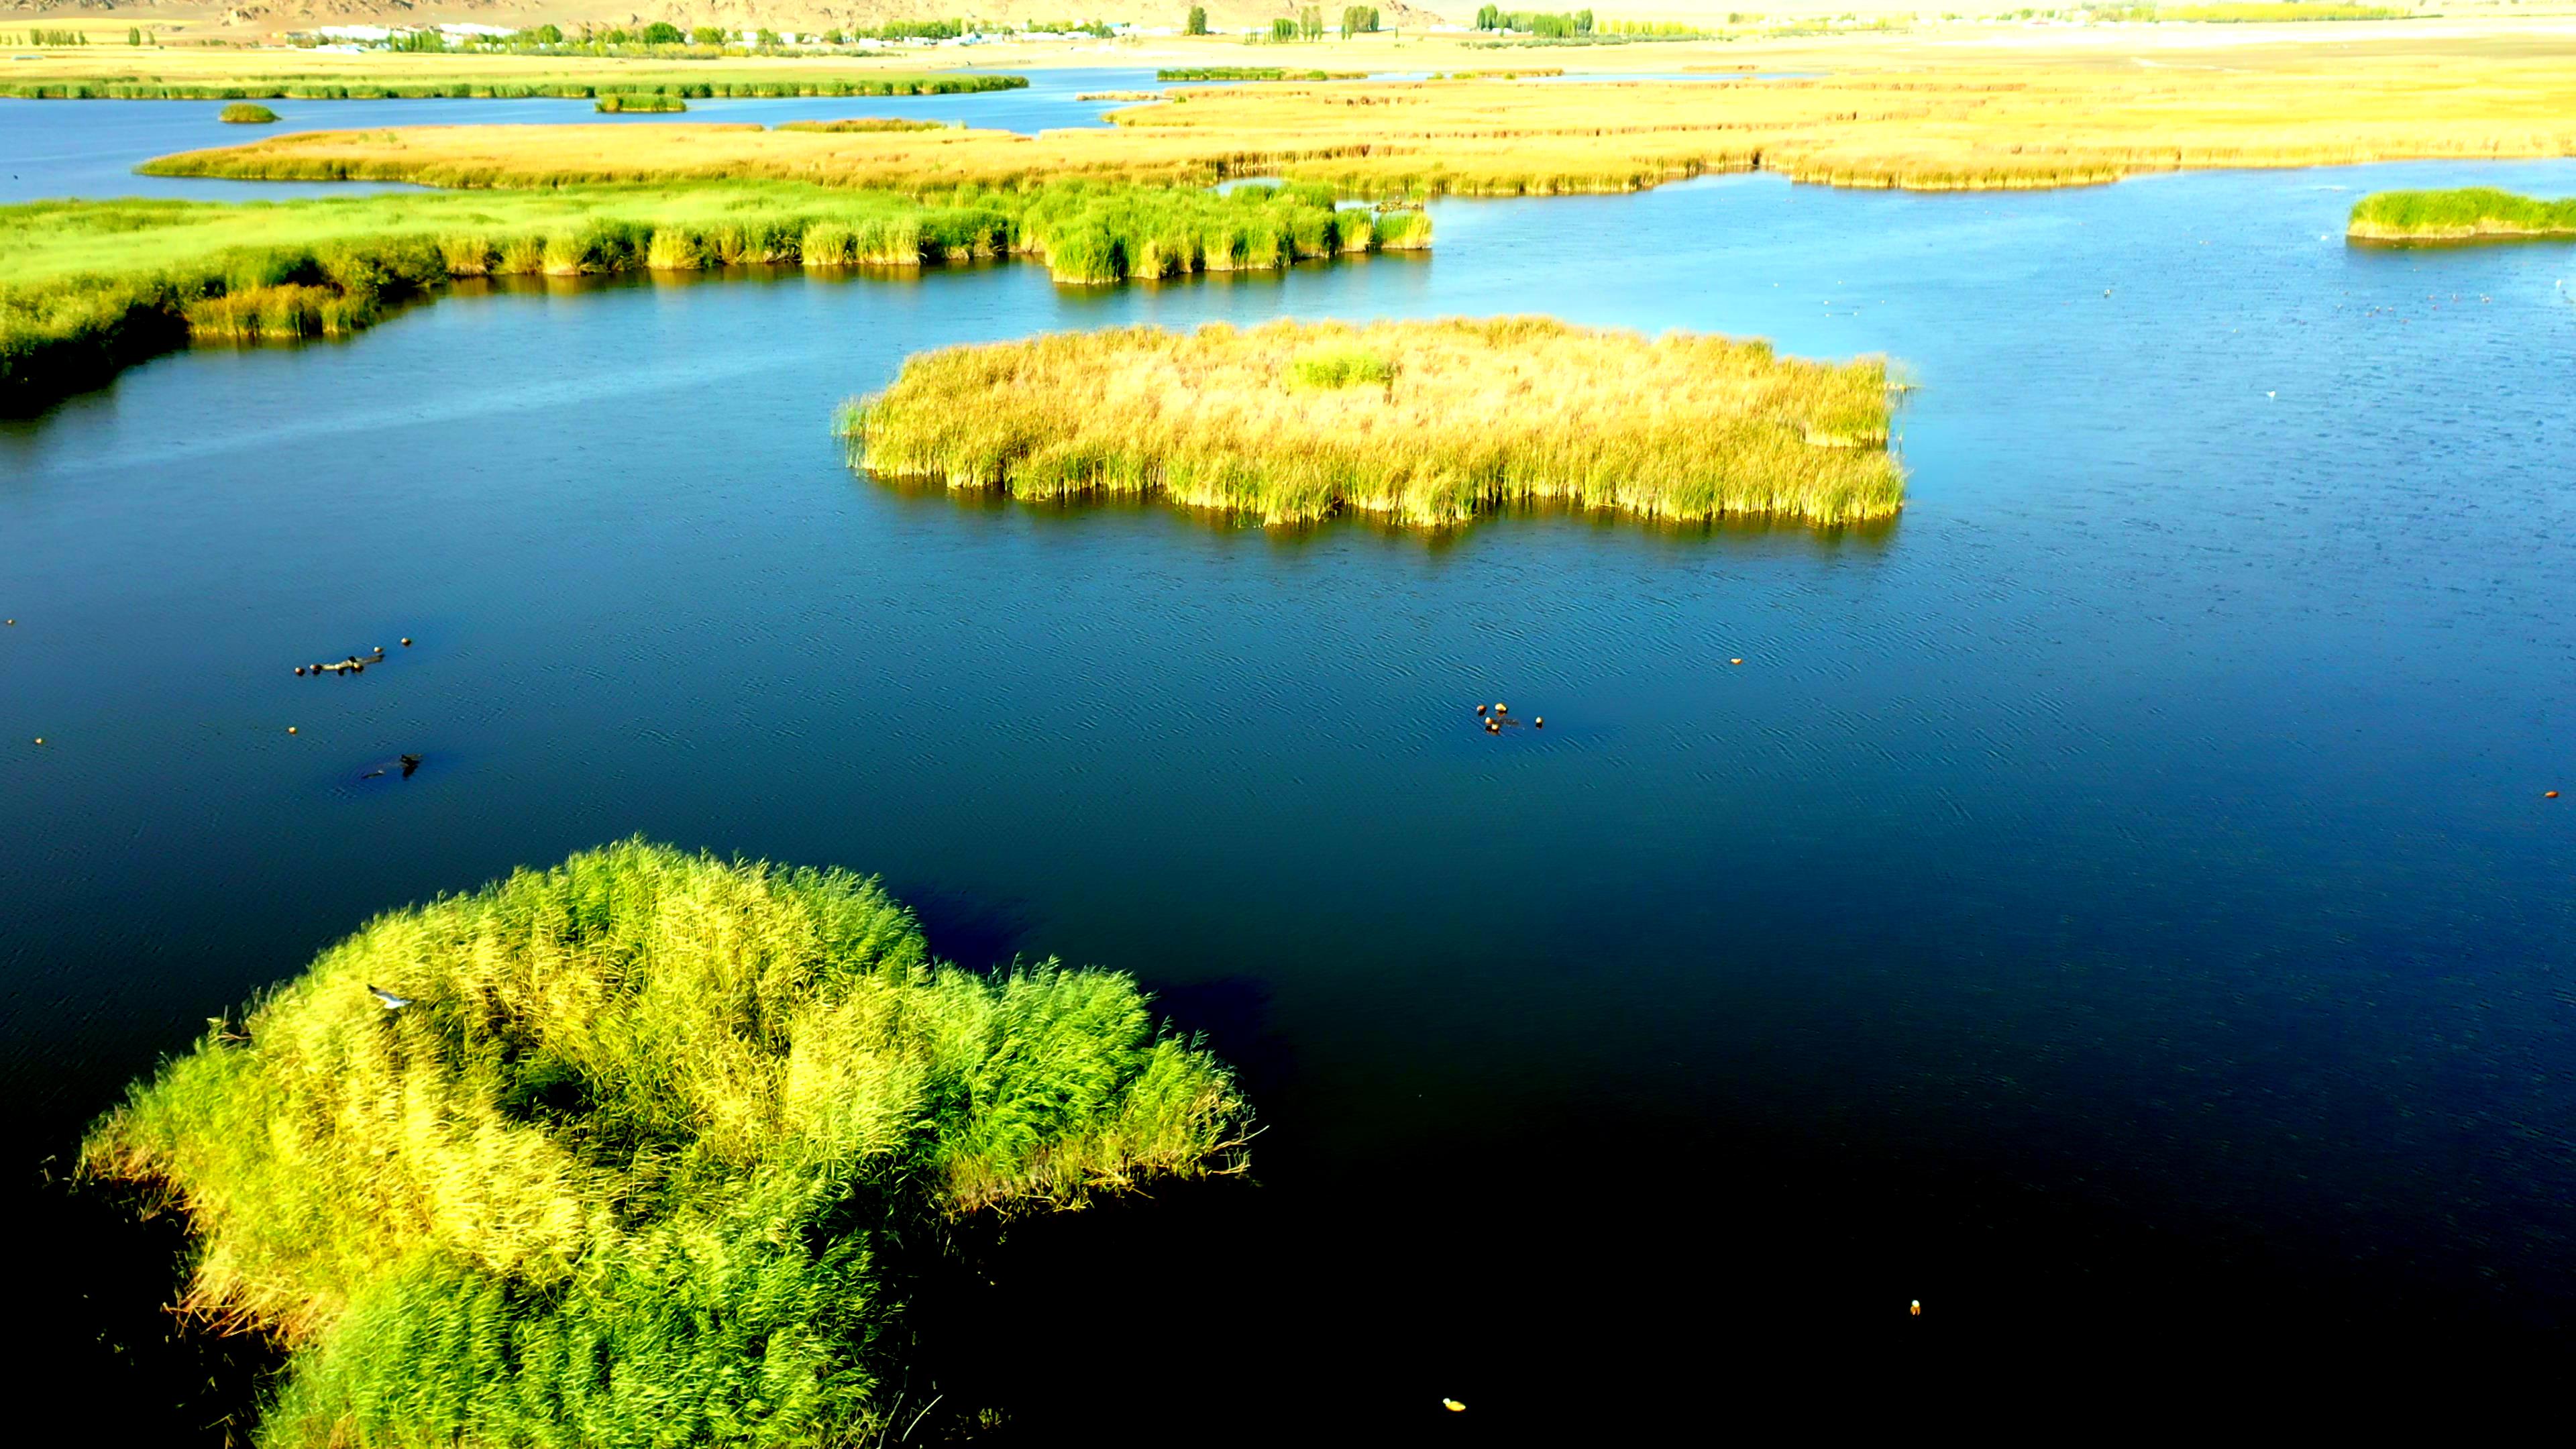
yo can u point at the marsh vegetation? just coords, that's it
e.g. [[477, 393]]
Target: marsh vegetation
[[244, 113], [639, 102], [1417, 423], [2466, 214], [221, 78], [638, 1157], [87, 287], [1945, 123]]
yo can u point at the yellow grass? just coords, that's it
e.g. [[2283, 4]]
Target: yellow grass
[[1923, 118], [1417, 423]]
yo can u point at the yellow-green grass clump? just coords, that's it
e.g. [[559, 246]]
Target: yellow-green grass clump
[[89, 287], [641, 1160], [246, 113], [2474, 213], [1417, 423], [1940, 120], [639, 101]]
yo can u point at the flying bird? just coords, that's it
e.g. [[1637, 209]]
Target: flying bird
[[389, 1001]]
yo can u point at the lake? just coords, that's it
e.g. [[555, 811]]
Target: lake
[[90, 148], [2115, 902]]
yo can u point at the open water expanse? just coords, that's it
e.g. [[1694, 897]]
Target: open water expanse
[[2114, 905]]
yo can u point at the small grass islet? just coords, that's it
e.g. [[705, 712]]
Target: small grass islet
[[246, 113], [1423, 424], [645, 1149], [2473, 213]]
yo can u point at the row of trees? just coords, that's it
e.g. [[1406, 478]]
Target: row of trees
[[1309, 24], [1555, 27]]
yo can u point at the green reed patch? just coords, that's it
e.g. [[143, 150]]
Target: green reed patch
[[623, 101], [1342, 367], [634, 1159], [2466, 214], [245, 113], [89, 287], [1253, 73], [1425, 424]]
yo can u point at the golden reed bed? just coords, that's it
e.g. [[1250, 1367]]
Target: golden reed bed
[[1424, 424], [1921, 117]]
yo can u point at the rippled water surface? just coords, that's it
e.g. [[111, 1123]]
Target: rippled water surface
[[2116, 900]]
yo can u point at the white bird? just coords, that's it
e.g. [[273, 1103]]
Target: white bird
[[390, 1001], [2271, 394]]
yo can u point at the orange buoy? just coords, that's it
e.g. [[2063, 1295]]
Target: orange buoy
[[290, 729], [1480, 709], [406, 643], [1539, 723], [299, 671], [40, 739], [1914, 1309], [1492, 728], [2548, 794], [1735, 661], [1453, 1406], [1502, 709]]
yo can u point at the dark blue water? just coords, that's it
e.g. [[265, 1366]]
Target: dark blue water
[[90, 148], [2114, 905]]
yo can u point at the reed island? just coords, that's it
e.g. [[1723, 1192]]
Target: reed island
[[1417, 423], [637, 1151], [2469, 214]]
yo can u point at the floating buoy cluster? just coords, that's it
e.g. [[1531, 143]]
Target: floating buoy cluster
[[1498, 717]]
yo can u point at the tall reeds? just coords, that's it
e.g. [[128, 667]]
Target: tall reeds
[[2469, 214], [244, 113], [1418, 423], [631, 1163], [1935, 123], [176, 270]]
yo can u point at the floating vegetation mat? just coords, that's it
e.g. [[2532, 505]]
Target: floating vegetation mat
[[1419, 423], [2472, 213], [633, 1151]]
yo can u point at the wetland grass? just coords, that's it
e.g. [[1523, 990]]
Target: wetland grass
[[1939, 122], [642, 1156], [632, 101], [1423, 424], [87, 287], [2473, 213], [245, 113], [218, 76]]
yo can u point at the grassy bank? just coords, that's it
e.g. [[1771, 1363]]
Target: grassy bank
[[632, 1166], [586, 82], [1945, 123], [1418, 423], [89, 287], [2469, 214], [648, 104]]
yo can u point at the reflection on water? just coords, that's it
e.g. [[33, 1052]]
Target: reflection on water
[[2124, 881]]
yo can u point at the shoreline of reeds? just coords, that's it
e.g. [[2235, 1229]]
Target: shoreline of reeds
[[2462, 215], [1420, 424], [64, 334], [647, 1148]]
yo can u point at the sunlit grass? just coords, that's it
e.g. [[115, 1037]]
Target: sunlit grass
[[627, 1168], [1418, 423], [86, 287], [2462, 215], [243, 113], [1939, 121]]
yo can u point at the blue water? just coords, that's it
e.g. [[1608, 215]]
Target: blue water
[[90, 148], [2114, 903]]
